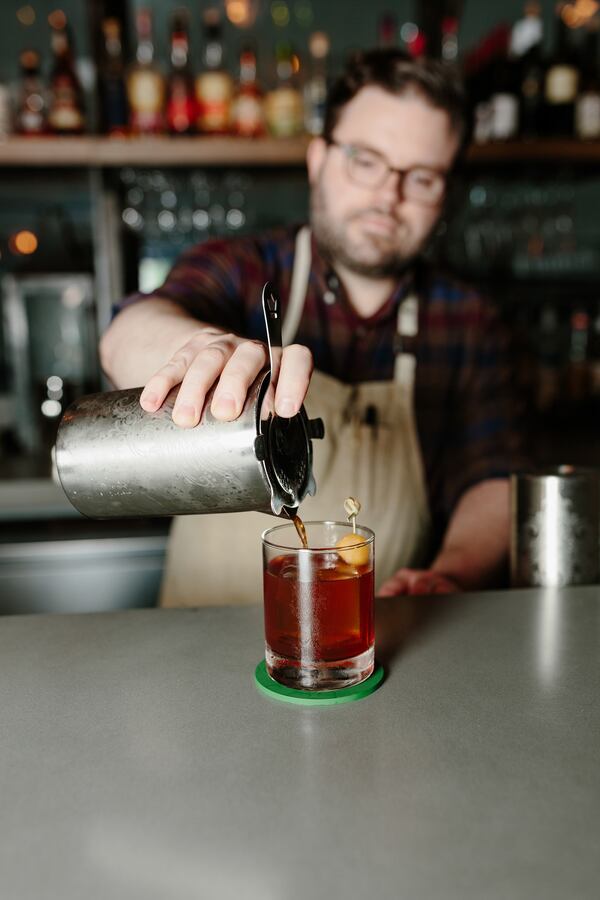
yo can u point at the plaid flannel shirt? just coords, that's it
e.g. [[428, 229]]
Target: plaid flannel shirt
[[470, 420]]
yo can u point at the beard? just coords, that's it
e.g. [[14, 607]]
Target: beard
[[373, 255]]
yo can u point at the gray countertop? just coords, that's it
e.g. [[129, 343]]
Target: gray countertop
[[138, 759]]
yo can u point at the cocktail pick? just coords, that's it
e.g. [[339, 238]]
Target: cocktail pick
[[352, 508]]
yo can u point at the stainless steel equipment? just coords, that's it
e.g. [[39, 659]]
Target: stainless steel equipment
[[555, 527], [115, 459]]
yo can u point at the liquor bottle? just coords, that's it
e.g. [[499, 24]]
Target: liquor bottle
[[449, 45], [561, 84], [181, 104], [315, 88], [481, 79], [247, 112], [526, 44], [5, 111], [549, 359], [283, 105], [387, 30], [578, 350], [30, 112], [504, 100], [214, 85], [114, 112], [145, 82], [65, 105], [587, 106], [593, 375]]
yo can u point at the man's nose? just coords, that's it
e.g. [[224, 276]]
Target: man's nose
[[393, 187]]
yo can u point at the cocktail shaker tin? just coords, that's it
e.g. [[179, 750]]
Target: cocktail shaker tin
[[115, 459], [555, 527]]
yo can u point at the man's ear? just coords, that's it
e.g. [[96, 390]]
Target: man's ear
[[315, 157]]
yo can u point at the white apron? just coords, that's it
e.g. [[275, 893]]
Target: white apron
[[370, 451]]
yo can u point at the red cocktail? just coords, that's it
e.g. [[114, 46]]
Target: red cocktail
[[319, 605]]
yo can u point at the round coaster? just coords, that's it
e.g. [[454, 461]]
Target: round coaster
[[316, 698]]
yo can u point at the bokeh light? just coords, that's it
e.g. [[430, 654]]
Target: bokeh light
[[23, 243]]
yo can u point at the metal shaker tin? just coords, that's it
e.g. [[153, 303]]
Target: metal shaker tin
[[115, 459], [555, 527]]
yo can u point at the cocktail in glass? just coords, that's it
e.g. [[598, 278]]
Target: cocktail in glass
[[319, 626]]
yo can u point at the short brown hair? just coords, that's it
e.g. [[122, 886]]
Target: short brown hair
[[398, 73]]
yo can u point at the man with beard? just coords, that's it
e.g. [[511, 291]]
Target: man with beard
[[409, 369]]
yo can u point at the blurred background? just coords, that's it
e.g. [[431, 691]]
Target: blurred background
[[130, 130]]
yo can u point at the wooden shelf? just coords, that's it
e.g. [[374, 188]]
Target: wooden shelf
[[550, 150], [92, 151], [101, 152]]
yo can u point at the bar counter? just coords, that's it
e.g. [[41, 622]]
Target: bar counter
[[139, 760]]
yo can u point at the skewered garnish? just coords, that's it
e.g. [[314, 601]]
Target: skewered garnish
[[356, 555]]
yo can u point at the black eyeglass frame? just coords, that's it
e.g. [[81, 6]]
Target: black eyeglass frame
[[351, 150]]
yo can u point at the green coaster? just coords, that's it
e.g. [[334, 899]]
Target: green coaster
[[269, 686]]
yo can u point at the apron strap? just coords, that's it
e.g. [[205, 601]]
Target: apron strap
[[407, 326], [298, 286], [408, 311]]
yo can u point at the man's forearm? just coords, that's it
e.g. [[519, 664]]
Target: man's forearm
[[475, 546], [142, 338]]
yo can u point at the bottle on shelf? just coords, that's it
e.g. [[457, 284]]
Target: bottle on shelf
[[5, 111], [504, 100], [214, 85], [247, 112], [481, 79], [283, 105], [114, 112], [593, 373], [387, 30], [578, 356], [181, 103], [549, 359], [561, 83], [587, 105], [65, 102], [527, 45], [145, 82], [315, 87], [30, 109], [449, 43]]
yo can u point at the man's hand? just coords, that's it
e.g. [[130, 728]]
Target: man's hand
[[418, 581], [474, 550], [157, 344]]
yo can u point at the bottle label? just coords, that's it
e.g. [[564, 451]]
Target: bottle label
[[247, 115], [31, 122], [146, 93], [64, 113], [284, 111], [505, 116], [587, 116], [213, 94], [594, 377], [561, 84], [482, 130]]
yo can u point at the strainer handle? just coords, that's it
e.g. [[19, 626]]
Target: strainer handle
[[272, 312]]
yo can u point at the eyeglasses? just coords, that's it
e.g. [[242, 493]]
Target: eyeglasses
[[370, 169]]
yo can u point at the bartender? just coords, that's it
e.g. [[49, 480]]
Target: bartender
[[409, 369]]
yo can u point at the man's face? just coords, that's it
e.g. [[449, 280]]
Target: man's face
[[375, 231]]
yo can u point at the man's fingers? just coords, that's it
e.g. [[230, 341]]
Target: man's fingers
[[199, 378], [238, 374], [233, 363], [294, 376], [157, 388], [394, 586]]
